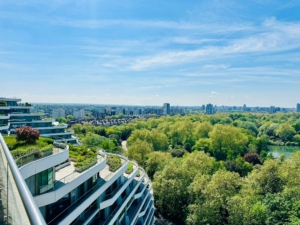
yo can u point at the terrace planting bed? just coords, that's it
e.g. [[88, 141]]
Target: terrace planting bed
[[113, 162]]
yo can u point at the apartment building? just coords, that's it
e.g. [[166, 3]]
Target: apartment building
[[79, 114], [210, 109], [58, 113], [166, 109], [50, 191], [13, 116]]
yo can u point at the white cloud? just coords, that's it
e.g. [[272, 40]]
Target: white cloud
[[272, 36]]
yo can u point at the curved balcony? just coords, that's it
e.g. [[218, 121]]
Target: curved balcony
[[52, 127], [21, 107], [26, 114], [147, 206], [150, 217], [64, 184], [134, 211], [4, 127], [57, 134], [142, 187], [35, 166], [4, 117], [72, 211], [110, 199]]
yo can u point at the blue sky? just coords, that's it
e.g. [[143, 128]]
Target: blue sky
[[141, 52]]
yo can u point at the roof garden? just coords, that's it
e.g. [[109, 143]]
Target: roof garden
[[24, 152]]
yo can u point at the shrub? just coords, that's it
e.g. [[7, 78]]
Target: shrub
[[252, 158], [178, 153], [129, 169], [187, 146], [27, 134], [114, 162], [3, 103], [138, 174]]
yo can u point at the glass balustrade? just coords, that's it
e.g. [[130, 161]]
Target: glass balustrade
[[16, 203]]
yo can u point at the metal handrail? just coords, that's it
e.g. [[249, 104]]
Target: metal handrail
[[31, 208]]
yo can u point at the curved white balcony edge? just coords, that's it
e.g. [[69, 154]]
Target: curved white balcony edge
[[136, 216], [111, 201], [40, 165], [72, 216], [115, 217], [54, 196], [150, 215], [142, 191], [147, 207]]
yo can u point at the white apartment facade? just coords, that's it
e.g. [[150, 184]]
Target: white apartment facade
[[94, 196]]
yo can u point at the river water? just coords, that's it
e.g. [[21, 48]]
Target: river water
[[285, 150]]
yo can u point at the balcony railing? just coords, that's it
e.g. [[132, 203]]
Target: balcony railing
[[36, 155], [16, 205], [68, 178]]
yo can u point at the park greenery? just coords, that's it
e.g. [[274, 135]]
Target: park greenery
[[214, 169]]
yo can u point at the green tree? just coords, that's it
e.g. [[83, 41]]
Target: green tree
[[156, 161], [227, 140], [158, 140], [140, 151], [296, 125], [267, 178], [285, 132], [212, 196], [171, 184], [202, 130]]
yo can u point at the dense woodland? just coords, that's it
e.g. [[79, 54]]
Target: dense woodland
[[213, 169]]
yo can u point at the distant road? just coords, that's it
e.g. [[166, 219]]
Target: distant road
[[124, 145]]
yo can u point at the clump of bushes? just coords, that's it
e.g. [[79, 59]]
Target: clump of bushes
[[129, 169], [21, 148], [113, 162]]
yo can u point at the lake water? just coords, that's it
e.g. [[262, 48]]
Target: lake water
[[286, 150]]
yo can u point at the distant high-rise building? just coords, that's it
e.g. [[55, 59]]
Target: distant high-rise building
[[210, 109], [166, 109], [244, 108], [58, 113], [79, 114], [298, 107], [203, 107], [272, 109]]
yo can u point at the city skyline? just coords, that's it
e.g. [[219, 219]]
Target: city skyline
[[142, 53]]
